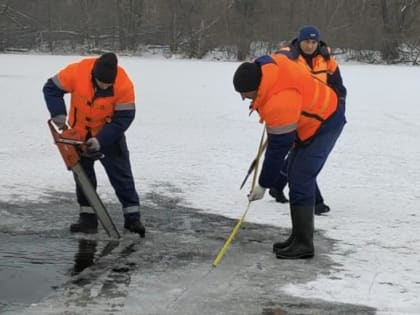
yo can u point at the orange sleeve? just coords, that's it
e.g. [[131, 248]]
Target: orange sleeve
[[125, 94], [67, 76]]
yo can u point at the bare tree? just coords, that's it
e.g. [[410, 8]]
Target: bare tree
[[398, 17], [195, 27]]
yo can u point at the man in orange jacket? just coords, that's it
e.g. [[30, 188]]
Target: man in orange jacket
[[101, 110], [308, 50], [303, 119]]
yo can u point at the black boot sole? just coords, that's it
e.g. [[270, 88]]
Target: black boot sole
[[299, 256], [321, 212]]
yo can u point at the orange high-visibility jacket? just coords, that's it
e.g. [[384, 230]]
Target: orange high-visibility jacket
[[88, 114], [321, 66], [289, 98]]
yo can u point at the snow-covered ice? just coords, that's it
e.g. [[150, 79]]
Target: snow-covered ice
[[193, 131]]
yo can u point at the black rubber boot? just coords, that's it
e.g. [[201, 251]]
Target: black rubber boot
[[87, 223], [280, 245], [302, 246], [321, 208], [278, 195], [133, 224]]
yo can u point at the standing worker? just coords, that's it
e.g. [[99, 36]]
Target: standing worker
[[304, 119], [102, 108], [314, 55]]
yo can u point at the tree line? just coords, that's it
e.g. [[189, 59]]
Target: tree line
[[238, 28]]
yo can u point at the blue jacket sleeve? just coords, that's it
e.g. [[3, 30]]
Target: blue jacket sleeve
[[335, 81], [54, 98], [277, 148], [113, 131]]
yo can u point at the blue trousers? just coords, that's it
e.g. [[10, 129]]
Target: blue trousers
[[118, 169], [282, 182], [305, 162]]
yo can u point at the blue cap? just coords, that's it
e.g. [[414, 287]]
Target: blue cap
[[309, 32]]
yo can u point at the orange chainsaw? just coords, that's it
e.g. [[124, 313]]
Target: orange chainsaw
[[71, 146]]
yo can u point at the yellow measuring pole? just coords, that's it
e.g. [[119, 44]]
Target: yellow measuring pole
[[238, 225]]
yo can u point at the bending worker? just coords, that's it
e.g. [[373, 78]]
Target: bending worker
[[303, 119]]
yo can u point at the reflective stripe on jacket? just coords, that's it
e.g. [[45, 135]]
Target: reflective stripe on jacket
[[290, 98], [88, 114]]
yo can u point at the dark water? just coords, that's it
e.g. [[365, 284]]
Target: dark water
[[38, 254], [31, 266]]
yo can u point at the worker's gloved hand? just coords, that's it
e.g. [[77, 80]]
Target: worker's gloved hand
[[60, 121], [93, 145], [257, 193]]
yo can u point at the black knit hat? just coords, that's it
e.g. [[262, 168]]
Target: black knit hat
[[247, 77], [105, 68]]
